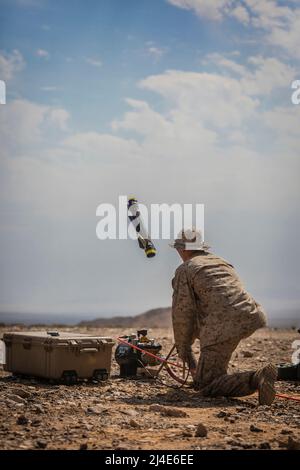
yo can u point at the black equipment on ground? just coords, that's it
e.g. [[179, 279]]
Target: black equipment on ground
[[130, 359], [288, 371]]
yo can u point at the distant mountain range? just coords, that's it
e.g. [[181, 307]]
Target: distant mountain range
[[157, 317]]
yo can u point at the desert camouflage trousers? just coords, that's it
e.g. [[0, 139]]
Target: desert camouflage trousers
[[211, 377]]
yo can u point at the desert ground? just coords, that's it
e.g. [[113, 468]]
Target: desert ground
[[147, 414]]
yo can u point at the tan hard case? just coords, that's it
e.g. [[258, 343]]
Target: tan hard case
[[58, 355]]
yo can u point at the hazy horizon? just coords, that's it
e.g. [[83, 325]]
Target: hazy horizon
[[291, 318]]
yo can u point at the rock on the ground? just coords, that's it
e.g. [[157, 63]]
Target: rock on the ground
[[163, 410], [41, 444], [22, 420], [264, 446], [134, 424], [22, 393], [15, 398], [254, 428], [201, 430], [293, 444]]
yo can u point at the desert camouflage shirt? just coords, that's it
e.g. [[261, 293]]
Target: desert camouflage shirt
[[211, 303]]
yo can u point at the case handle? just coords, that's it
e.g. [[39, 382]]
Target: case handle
[[88, 350]]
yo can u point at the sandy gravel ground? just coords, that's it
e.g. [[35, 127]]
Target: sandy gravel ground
[[146, 414]]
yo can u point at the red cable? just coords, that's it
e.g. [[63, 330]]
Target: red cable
[[287, 397]]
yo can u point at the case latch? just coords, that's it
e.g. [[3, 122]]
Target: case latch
[[27, 343]]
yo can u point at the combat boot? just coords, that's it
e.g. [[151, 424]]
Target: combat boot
[[263, 380]]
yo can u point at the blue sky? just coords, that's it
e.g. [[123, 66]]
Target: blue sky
[[102, 31], [173, 100], [131, 42]]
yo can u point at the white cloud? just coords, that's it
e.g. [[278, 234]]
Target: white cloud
[[287, 38], [268, 14], [142, 119], [241, 14], [284, 122], [100, 147], [154, 51], [280, 22], [10, 64], [269, 74], [94, 61], [216, 122], [20, 123], [209, 99], [23, 125], [206, 8], [260, 76], [42, 53], [59, 117], [222, 61]]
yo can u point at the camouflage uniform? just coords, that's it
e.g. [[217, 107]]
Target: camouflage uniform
[[210, 303]]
